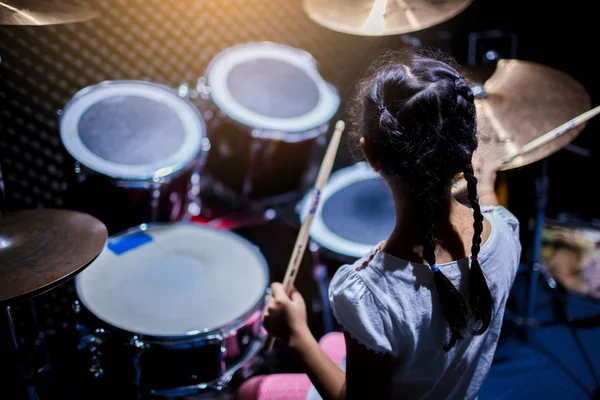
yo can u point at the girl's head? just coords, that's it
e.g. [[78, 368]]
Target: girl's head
[[416, 120]]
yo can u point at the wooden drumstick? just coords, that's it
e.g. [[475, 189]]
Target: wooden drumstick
[[303, 235], [535, 144]]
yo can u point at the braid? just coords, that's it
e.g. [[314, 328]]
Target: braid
[[479, 296], [394, 110], [453, 305]]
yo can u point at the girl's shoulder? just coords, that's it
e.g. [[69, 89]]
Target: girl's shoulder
[[357, 309]]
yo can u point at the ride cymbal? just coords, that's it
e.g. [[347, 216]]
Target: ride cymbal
[[522, 101], [31, 12], [40, 249], [382, 17]]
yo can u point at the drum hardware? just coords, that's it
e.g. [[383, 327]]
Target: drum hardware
[[32, 12], [382, 17], [557, 290]]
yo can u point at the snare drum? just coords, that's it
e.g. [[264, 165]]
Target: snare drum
[[355, 214], [138, 149], [173, 308], [571, 255], [268, 115]]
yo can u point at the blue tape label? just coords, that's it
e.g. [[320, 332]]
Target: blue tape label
[[124, 244]]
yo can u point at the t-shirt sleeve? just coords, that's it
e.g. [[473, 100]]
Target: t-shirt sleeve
[[506, 216], [510, 226], [358, 312]]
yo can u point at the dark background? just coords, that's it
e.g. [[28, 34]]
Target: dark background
[[172, 41]]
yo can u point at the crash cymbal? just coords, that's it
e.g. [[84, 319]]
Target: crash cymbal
[[31, 12], [382, 17], [523, 101], [41, 248]]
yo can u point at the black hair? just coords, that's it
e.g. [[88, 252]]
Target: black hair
[[417, 114]]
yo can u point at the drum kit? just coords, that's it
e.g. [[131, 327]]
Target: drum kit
[[169, 300]]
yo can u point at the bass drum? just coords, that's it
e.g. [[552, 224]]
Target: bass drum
[[172, 309], [356, 212], [571, 255], [268, 111]]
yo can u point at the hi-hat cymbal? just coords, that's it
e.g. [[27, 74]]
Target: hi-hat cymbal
[[31, 12], [40, 249], [524, 100], [382, 17]]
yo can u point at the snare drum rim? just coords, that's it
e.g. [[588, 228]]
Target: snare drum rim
[[319, 231], [197, 141], [183, 340], [327, 105]]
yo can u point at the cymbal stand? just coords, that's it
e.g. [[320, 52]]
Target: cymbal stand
[[537, 269], [542, 202], [31, 394]]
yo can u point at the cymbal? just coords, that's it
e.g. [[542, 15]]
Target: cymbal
[[382, 17], [32, 12], [40, 249], [523, 100]]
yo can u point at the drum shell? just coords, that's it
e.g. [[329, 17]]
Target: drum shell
[[122, 204], [269, 168], [172, 366]]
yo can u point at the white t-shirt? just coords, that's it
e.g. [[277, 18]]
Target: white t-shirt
[[390, 306]]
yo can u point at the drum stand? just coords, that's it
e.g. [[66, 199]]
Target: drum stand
[[24, 376], [559, 295]]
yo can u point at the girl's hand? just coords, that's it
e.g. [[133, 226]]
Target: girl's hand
[[285, 316]]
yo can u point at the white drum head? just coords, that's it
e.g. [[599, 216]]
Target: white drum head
[[174, 280], [271, 86], [132, 130], [355, 213]]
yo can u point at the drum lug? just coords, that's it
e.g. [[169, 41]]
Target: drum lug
[[91, 343], [184, 90], [137, 343], [202, 88], [205, 144], [76, 307]]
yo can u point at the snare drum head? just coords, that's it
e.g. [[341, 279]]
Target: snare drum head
[[174, 280], [356, 212], [131, 129], [271, 86]]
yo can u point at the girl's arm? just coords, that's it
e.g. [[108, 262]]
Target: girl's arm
[[368, 373], [328, 378]]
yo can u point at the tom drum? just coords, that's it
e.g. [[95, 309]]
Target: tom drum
[[138, 149]]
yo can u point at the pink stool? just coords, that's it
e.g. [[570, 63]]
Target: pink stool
[[290, 386]]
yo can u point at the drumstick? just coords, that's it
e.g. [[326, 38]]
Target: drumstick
[[302, 239], [537, 143]]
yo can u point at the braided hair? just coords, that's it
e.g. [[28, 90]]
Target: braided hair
[[418, 116]]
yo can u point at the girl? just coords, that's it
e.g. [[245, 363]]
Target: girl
[[421, 314]]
